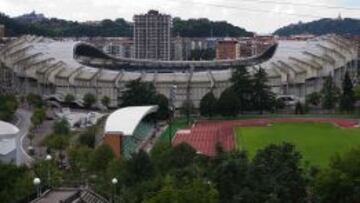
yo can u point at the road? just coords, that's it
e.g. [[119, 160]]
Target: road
[[23, 124]]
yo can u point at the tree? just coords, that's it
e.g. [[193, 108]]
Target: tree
[[299, 109], [340, 181], [313, 98], [87, 138], [187, 108], [176, 158], [357, 92], [100, 158], [262, 97], [89, 100], [8, 107], [228, 103], [61, 127], [139, 168], [69, 99], [208, 105], [138, 93], [347, 98], [163, 112], [106, 101], [38, 117], [330, 94], [242, 85], [230, 176], [35, 100], [275, 175], [193, 191], [16, 182]]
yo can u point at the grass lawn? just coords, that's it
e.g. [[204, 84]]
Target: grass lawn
[[317, 142]]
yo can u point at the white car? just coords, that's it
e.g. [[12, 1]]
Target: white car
[[289, 100]]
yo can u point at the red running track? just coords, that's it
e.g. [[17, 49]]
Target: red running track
[[205, 135]]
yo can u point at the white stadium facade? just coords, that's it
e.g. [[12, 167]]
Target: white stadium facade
[[55, 68]]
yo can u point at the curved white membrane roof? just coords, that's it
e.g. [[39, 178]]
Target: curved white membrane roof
[[125, 120]]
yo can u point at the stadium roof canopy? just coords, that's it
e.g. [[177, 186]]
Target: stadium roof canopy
[[7, 129], [124, 121]]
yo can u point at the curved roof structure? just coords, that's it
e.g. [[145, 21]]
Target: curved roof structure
[[7, 129], [125, 120]]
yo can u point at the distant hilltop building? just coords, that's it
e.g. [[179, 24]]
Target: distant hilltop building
[[152, 36], [2, 31], [32, 17]]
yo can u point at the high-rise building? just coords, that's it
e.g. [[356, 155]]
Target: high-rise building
[[152, 36], [227, 49], [2, 31]]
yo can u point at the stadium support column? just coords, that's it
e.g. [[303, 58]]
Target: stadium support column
[[188, 95], [172, 110]]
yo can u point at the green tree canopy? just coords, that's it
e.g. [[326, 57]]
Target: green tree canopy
[[330, 94], [228, 103], [106, 101], [262, 97], [208, 105], [340, 182], [8, 107], [69, 98], [61, 127], [89, 100], [243, 86], [347, 98], [313, 98], [138, 93]]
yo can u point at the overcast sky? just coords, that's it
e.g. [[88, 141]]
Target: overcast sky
[[262, 16]]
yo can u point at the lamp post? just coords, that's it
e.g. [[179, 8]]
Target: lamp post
[[37, 183], [172, 109], [114, 182], [48, 159]]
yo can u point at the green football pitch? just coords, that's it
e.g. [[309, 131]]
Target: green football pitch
[[317, 142]]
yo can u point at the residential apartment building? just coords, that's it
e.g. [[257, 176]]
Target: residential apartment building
[[152, 36]]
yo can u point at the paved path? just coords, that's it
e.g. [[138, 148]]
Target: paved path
[[23, 124]]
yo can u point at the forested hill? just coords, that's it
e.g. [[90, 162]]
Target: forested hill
[[115, 28], [322, 26]]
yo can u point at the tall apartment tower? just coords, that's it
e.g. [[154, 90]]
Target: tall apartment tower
[[152, 36]]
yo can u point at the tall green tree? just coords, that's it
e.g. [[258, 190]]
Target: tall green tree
[[8, 107], [89, 100], [228, 103], [163, 112], [340, 181], [330, 94], [347, 98], [106, 101], [276, 175], [242, 85], [196, 190], [69, 99], [208, 105], [262, 97], [138, 93]]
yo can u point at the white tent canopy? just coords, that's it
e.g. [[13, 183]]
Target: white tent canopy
[[7, 129], [125, 120]]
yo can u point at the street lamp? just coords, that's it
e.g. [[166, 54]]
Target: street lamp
[[48, 158], [114, 181], [37, 183]]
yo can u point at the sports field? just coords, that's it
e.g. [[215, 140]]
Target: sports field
[[317, 142]]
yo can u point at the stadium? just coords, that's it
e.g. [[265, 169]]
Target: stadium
[[55, 68]]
